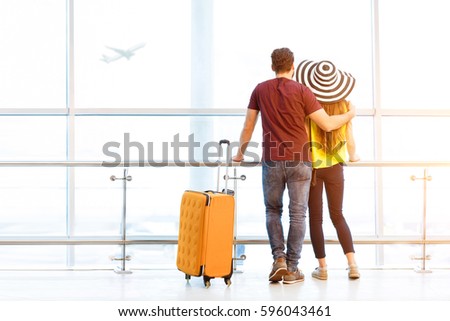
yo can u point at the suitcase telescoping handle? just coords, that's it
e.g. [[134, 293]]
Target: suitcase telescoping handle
[[228, 159]]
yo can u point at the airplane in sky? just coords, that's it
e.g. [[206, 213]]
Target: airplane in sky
[[121, 53]]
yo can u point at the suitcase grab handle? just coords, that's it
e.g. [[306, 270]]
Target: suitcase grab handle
[[227, 164]]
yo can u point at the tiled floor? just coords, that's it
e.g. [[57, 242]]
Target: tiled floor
[[170, 285]]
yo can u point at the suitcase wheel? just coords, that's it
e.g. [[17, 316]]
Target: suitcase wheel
[[227, 279], [207, 281], [187, 277]]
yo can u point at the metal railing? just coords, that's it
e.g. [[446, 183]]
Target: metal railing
[[124, 240]]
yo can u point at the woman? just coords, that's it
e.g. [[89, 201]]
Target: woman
[[329, 152]]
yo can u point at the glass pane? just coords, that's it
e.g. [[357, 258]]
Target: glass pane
[[402, 201], [25, 138], [438, 207], [132, 53], [251, 217], [154, 198], [401, 255], [98, 202], [100, 256], [154, 256], [33, 201], [363, 133], [33, 47], [158, 138], [359, 201], [415, 138], [311, 32], [410, 76], [33, 256], [440, 256], [409, 256]]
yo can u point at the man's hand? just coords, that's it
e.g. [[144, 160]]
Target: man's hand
[[351, 110]]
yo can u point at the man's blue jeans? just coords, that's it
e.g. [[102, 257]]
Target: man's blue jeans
[[296, 176]]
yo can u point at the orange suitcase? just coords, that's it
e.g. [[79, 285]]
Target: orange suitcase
[[206, 234]]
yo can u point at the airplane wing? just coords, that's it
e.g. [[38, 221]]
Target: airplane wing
[[136, 47], [119, 51], [108, 59]]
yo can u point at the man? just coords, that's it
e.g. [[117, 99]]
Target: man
[[284, 104]]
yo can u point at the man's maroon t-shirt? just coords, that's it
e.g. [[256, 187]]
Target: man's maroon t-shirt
[[284, 105]]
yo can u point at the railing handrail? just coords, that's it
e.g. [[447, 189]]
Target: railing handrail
[[167, 163], [173, 240]]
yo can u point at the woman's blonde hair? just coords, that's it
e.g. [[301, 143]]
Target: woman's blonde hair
[[332, 141]]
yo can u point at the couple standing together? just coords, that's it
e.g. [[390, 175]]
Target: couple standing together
[[306, 138]]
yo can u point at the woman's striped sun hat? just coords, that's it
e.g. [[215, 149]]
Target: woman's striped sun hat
[[328, 84]]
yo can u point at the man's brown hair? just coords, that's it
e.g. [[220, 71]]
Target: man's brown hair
[[282, 60]]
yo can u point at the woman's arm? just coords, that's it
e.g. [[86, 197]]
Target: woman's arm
[[351, 145]]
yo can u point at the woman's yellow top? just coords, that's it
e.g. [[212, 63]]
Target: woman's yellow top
[[320, 158]]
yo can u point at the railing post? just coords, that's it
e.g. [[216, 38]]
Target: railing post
[[122, 268], [424, 256]]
